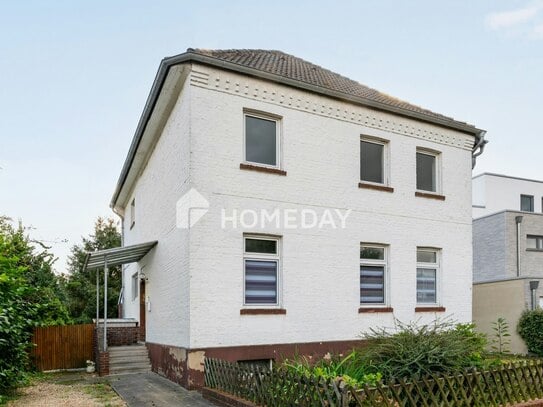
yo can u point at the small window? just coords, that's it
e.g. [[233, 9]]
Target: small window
[[134, 286], [132, 213], [427, 275], [527, 203], [373, 268], [262, 140], [427, 171], [261, 269], [372, 161], [534, 242]]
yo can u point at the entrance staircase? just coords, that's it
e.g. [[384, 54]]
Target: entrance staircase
[[128, 359]]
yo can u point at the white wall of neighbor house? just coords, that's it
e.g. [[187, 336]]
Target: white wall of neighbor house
[[493, 193], [319, 274], [163, 181]]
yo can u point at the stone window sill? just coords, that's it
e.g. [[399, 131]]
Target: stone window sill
[[430, 309], [258, 168], [430, 195], [384, 188], [374, 310], [262, 311]]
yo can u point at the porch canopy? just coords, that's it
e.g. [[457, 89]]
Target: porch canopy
[[109, 258]]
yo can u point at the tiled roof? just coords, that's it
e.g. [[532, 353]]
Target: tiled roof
[[294, 68]]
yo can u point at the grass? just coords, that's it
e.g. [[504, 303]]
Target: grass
[[63, 389]]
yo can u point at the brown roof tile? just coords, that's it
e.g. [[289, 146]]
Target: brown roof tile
[[291, 67]]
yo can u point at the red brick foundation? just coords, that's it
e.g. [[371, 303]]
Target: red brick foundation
[[103, 364], [186, 366]]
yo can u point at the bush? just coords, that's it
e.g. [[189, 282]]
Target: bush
[[530, 328], [413, 350], [337, 367]]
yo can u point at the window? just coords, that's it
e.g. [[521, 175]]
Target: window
[[372, 161], [132, 213], [527, 203], [427, 171], [427, 274], [534, 242], [373, 265], [261, 269], [262, 140], [134, 286]]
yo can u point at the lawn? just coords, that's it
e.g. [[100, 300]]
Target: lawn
[[65, 389]]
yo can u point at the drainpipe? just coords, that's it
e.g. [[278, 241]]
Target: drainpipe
[[518, 220], [478, 148], [533, 288]]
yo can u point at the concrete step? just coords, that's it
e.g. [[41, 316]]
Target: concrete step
[[142, 358], [129, 362], [130, 368], [128, 354], [125, 348]]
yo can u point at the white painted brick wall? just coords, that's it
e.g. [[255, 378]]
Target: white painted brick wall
[[320, 268]]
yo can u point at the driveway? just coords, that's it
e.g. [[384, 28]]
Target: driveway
[[150, 389]]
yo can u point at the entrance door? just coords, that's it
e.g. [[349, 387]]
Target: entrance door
[[142, 310]]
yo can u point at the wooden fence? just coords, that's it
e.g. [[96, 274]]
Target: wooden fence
[[62, 347], [506, 385]]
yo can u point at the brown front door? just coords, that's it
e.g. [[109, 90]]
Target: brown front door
[[142, 310]]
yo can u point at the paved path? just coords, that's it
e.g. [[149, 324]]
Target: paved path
[[150, 389]]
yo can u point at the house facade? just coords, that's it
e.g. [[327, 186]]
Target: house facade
[[294, 209], [507, 250]]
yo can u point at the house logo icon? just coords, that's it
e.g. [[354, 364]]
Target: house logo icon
[[190, 208]]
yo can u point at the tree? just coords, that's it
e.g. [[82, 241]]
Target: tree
[[29, 297], [80, 285]]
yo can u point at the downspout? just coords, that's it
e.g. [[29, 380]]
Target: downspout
[[518, 220], [478, 147]]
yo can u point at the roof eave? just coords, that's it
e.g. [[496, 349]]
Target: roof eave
[[168, 62]]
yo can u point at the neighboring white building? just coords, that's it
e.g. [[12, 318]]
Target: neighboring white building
[[495, 192], [507, 250], [244, 131]]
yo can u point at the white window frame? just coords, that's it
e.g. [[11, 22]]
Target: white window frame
[[385, 163], [538, 243], [532, 201], [264, 257], [430, 266], [135, 286], [376, 262], [269, 117], [437, 164], [132, 212]]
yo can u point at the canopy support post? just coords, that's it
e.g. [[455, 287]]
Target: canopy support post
[[97, 299], [105, 304]]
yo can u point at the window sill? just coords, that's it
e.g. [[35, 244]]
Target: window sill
[[259, 168], [384, 188], [374, 310], [429, 309], [534, 250], [430, 195], [262, 311]]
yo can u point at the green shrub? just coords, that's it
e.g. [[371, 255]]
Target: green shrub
[[345, 368], [416, 350], [500, 339], [530, 328]]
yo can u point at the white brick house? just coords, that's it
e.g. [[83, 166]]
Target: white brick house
[[262, 130]]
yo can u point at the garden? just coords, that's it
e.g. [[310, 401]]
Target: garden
[[442, 363]]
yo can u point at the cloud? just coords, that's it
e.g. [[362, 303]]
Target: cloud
[[537, 31], [508, 19]]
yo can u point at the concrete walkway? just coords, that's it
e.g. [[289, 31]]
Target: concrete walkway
[[150, 389]]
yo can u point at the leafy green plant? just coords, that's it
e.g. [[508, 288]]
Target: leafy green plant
[[415, 350], [530, 328], [500, 342], [336, 367]]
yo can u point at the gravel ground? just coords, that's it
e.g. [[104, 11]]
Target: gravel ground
[[66, 390]]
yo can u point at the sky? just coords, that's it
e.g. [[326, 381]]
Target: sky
[[75, 75]]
